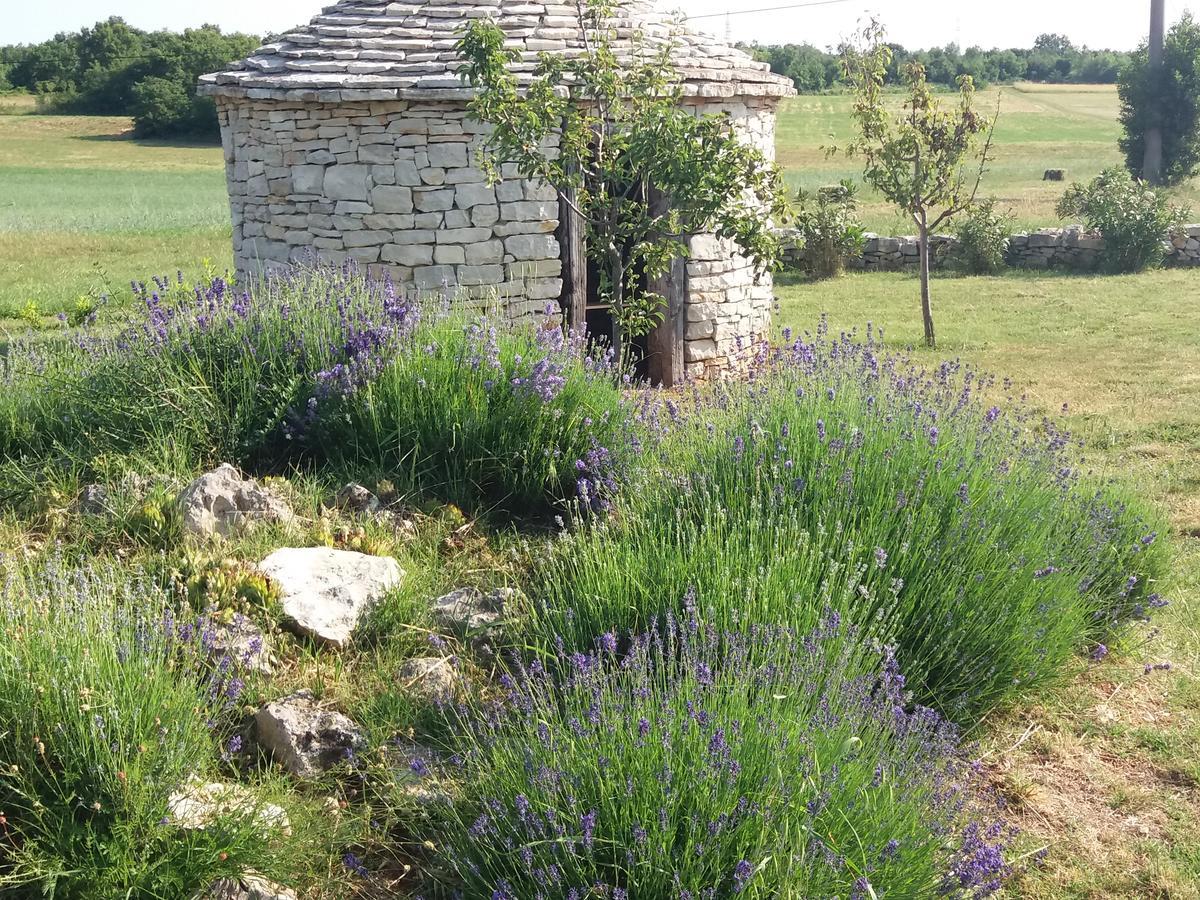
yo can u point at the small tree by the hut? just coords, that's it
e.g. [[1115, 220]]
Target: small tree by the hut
[[605, 129], [918, 159]]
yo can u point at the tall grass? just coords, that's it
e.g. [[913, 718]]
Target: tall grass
[[694, 763], [323, 368], [109, 702], [973, 543]]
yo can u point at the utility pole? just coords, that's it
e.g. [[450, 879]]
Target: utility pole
[[1152, 164]]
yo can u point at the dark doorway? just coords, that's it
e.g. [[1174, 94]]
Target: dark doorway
[[657, 356]]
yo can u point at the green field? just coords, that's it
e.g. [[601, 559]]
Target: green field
[[84, 208], [1072, 127]]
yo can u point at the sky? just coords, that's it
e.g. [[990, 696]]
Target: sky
[[1116, 24]]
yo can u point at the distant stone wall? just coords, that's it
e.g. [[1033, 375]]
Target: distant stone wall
[[1070, 248]]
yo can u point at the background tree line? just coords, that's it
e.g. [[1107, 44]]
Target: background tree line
[[1052, 58], [115, 69]]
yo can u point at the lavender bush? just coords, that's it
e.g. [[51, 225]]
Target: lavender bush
[[975, 544], [691, 763], [109, 700], [323, 367]]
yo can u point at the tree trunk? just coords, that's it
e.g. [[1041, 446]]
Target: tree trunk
[[1152, 161], [926, 309]]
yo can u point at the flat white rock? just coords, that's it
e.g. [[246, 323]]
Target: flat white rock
[[325, 592], [197, 804]]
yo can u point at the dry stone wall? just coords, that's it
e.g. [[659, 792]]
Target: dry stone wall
[[729, 309], [1072, 248], [394, 186]]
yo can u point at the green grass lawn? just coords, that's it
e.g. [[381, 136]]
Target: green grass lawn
[[84, 208], [1072, 127], [1107, 771]]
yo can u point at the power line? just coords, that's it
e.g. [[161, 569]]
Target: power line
[[743, 12]]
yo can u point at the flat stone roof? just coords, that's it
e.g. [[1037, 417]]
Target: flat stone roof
[[404, 49]]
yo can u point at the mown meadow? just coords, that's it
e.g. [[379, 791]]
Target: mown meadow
[[875, 622]]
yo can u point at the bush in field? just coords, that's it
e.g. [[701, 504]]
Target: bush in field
[[827, 223], [324, 367], [109, 702], [975, 547], [1133, 217], [983, 236], [688, 762]]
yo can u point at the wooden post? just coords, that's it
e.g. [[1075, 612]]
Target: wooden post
[[571, 239], [1153, 160], [664, 344]]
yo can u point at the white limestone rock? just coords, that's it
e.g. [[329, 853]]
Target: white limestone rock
[[197, 804], [221, 502], [435, 678], [247, 886], [325, 592], [305, 738]]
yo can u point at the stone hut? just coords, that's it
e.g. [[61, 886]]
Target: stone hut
[[349, 137]]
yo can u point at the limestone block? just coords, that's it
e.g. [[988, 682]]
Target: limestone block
[[416, 235], [448, 155], [376, 154], [535, 268], [346, 182], [457, 218], [474, 275], [469, 175], [543, 288], [462, 235], [430, 278], [484, 252], [467, 196], [407, 173], [709, 247], [433, 200], [532, 246], [392, 199], [367, 238], [389, 222], [509, 191], [699, 351], [505, 229], [408, 254], [436, 177], [449, 254], [485, 215]]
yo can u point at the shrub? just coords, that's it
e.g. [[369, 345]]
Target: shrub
[[1132, 217], [983, 238], [976, 548], [1169, 98], [108, 703], [828, 226], [323, 367], [708, 764]]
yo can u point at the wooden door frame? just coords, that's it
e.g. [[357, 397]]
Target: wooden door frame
[[664, 344]]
